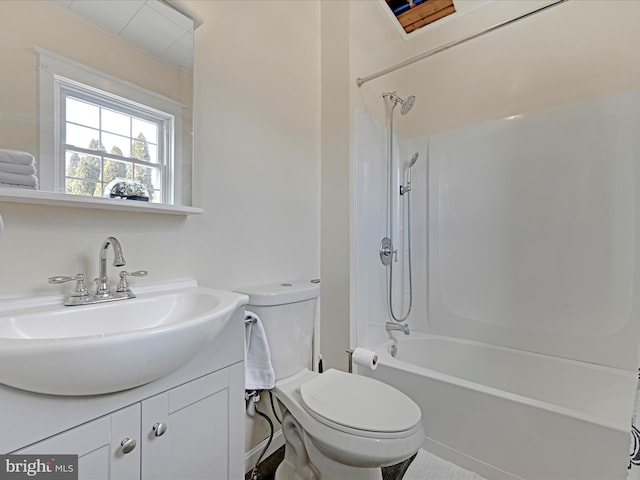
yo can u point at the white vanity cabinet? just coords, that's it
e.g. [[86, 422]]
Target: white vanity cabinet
[[197, 412], [179, 434], [195, 445], [97, 445]]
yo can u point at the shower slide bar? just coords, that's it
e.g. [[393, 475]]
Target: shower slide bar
[[362, 80]]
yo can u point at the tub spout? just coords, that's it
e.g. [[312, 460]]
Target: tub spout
[[403, 327]]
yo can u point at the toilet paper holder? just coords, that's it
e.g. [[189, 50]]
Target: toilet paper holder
[[362, 356], [350, 355]]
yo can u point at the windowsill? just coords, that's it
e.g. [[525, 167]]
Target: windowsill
[[18, 195]]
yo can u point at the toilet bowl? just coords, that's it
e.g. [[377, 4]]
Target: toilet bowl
[[353, 420], [336, 425]]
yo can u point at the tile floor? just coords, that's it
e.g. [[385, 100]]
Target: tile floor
[[267, 468]]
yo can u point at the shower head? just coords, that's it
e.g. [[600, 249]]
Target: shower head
[[407, 187], [407, 105], [414, 159]]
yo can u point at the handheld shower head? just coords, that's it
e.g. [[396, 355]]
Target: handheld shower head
[[407, 188], [414, 159]]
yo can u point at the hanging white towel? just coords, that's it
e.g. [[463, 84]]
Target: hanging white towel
[[258, 371], [16, 156]]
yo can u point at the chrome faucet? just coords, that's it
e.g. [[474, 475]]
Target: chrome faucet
[[402, 327], [102, 282], [103, 293]]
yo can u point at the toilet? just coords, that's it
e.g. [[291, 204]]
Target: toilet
[[336, 425]]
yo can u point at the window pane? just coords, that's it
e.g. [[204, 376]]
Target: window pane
[[83, 137], [140, 149], [82, 166], [82, 112], [115, 169], [148, 130], [80, 187], [115, 122], [83, 174], [116, 144], [155, 196], [149, 177], [153, 153]]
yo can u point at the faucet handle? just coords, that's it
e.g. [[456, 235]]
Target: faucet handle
[[80, 290], [137, 273], [123, 286]]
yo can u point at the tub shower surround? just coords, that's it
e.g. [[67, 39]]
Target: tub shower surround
[[524, 239], [510, 414]]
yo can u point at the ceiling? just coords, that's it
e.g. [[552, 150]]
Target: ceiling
[[151, 25]]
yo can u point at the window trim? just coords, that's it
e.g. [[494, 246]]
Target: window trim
[[56, 71], [65, 88]]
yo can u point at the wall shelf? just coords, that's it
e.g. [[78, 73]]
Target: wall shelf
[[23, 196]]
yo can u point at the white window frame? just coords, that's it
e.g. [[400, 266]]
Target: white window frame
[[58, 74]]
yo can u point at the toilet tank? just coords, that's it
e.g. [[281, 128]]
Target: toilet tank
[[287, 311]]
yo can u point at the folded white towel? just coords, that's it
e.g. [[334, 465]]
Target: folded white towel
[[16, 156], [19, 179], [13, 185], [17, 168], [259, 374]]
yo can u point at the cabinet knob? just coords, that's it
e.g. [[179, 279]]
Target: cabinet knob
[[159, 429], [128, 444]]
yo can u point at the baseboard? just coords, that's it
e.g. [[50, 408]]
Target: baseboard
[[251, 457], [465, 461]]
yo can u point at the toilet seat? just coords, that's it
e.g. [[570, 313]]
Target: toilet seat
[[358, 405], [335, 435]]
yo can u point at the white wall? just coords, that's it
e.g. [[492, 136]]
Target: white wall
[[40, 23], [257, 169], [571, 51], [336, 185], [257, 113]]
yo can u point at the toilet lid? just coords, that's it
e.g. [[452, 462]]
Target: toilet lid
[[359, 402]]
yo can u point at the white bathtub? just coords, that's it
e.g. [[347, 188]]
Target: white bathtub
[[511, 414]]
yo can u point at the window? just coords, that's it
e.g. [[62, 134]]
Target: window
[[105, 139], [97, 130]]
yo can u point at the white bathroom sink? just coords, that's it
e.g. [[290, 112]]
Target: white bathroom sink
[[107, 347]]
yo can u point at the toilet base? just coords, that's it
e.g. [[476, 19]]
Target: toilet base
[[287, 471], [303, 461]]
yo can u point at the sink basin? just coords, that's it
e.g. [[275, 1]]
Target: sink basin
[[107, 347]]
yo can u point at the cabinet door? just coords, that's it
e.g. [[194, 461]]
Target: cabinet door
[[195, 444], [98, 446]]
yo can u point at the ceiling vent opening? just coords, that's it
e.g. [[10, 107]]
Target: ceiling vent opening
[[414, 14]]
